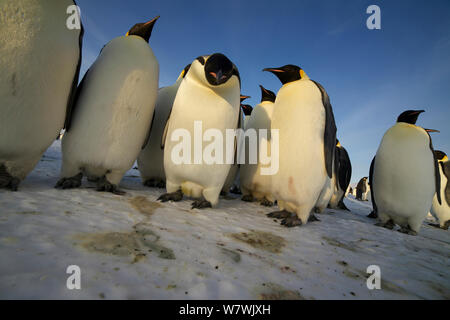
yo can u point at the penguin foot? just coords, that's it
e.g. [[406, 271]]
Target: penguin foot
[[313, 218], [174, 196], [248, 198], [407, 230], [435, 225], [373, 215], [279, 214], [342, 206], [103, 185], [7, 181], [267, 203], [93, 179], [235, 190], [317, 210], [446, 225], [161, 184], [388, 225], [291, 222], [70, 183], [201, 204], [151, 183], [223, 193]]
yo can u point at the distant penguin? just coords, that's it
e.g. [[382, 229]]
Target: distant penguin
[[248, 109], [343, 173], [254, 185], [40, 60], [441, 211], [405, 175], [209, 95], [307, 132], [113, 112], [151, 159], [232, 180], [361, 189]]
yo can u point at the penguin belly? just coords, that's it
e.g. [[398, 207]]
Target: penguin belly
[[215, 112], [252, 180], [441, 211], [151, 158], [39, 59], [299, 115], [326, 195], [114, 111], [403, 179]]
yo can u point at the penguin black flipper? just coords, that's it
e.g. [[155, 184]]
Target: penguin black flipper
[[147, 139], [374, 205], [73, 96], [71, 110], [330, 130], [437, 174], [446, 170], [345, 168]]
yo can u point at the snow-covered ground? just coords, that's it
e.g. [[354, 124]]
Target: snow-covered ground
[[132, 247]]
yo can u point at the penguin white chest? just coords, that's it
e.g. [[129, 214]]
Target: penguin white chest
[[404, 181]]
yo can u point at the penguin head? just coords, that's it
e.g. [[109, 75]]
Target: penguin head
[[184, 72], [267, 95], [243, 98], [216, 70], [247, 109], [288, 73], [410, 116], [143, 30], [441, 156]]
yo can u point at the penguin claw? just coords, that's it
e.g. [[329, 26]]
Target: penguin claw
[[267, 203], [291, 222], [388, 225], [279, 214], [69, 183], [313, 218], [373, 215], [174, 196], [407, 230], [161, 184], [150, 183], [103, 185], [201, 204], [248, 198]]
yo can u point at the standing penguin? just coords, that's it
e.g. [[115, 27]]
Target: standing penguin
[[405, 175], [343, 172], [151, 159], [40, 60], [248, 109], [209, 97], [233, 174], [441, 211], [307, 130], [113, 112], [362, 189], [254, 185]]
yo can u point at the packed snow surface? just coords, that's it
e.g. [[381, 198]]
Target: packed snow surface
[[132, 247]]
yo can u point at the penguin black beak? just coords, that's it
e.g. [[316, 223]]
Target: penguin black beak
[[273, 70], [418, 112], [432, 130], [244, 98]]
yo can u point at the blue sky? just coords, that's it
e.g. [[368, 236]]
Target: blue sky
[[370, 75]]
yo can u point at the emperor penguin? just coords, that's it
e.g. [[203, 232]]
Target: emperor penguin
[[343, 175], [307, 131], [207, 101], [362, 189], [247, 110], [441, 211], [232, 180], [151, 159], [113, 111], [254, 185], [40, 60], [405, 175]]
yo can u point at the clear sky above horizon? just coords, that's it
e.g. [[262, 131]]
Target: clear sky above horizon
[[371, 76]]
